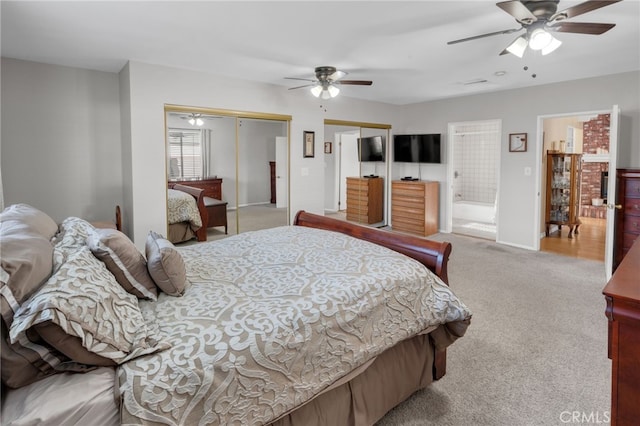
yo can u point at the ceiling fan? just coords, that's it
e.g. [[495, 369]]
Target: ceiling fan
[[327, 81], [539, 18]]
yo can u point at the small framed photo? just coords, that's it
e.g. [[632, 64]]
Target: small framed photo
[[327, 147], [309, 144], [517, 142]]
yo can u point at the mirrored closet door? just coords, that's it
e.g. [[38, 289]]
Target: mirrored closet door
[[356, 161], [238, 164]]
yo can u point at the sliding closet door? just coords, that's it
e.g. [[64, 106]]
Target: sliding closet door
[[261, 200]]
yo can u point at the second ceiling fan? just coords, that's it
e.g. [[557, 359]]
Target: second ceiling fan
[[327, 81], [539, 18]]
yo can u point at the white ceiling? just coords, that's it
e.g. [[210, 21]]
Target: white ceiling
[[401, 46]]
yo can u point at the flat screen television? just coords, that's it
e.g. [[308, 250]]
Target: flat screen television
[[423, 148], [371, 148]]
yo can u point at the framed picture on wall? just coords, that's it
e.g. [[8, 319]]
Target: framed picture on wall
[[517, 142], [327, 147], [309, 143]]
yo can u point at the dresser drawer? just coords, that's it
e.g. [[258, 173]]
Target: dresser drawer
[[631, 206], [631, 224], [632, 188]]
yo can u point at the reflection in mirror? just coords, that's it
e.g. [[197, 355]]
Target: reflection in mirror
[[221, 167], [356, 173], [199, 172], [262, 174]]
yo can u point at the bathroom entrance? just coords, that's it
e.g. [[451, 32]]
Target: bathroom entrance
[[474, 159]]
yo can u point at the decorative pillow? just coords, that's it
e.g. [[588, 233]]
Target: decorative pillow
[[85, 301], [71, 236], [124, 261], [165, 265]]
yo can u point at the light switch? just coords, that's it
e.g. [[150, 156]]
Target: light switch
[[527, 171]]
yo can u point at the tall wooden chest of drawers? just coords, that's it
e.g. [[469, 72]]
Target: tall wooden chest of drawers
[[414, 207], [365, 199], [627, 222]]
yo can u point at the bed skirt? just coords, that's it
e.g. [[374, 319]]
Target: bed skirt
[[392, 377]]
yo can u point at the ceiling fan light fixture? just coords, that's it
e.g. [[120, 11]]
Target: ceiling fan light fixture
[[518, 46], [540, 39], [316, 90], [192, 121], [199, 122], [555, 43], [333, 90]]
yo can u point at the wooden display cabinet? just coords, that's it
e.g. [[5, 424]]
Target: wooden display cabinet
[[563, 191]]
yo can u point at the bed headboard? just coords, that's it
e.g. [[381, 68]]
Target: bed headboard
[[433, 254]]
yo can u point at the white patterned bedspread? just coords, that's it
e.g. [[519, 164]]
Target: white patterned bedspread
[[271, 319], [182, 207]]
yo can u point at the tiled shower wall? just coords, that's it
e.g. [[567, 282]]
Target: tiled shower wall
[[475, 161]]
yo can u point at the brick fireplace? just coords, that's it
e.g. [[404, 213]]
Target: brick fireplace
[[595, 139]]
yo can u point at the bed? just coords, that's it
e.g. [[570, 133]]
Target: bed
[[323, 322], [186, 213]]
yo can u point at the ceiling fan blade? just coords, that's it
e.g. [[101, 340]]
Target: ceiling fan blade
[[301, 79], [581, 8], [581, 27], [337, 75], [356, 82], [300, 87], [485, 35], [518, 11]]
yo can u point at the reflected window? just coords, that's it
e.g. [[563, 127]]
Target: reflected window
[[185, 154]]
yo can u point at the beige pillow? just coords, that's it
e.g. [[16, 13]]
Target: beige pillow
[[39, 222], [85, 301], [165, 265], [124, 261]]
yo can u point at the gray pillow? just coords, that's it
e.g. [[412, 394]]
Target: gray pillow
[[124, 261], [165, 265]]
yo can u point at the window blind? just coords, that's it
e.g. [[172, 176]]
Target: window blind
[[185, 154]]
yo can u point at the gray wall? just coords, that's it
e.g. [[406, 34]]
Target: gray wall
[[65, 151], [519, 111], [61, 141]]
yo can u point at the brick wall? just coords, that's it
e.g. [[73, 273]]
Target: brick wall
[[595, 135]]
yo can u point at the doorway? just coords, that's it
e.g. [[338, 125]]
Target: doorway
[[593, 135], [474, 159]]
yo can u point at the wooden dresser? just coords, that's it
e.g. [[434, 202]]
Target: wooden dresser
[[628, 216], [622, 294], [414, 207], [365, 199], [212, 186]]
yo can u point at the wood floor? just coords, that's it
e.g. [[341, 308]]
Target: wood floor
[[588, 244]]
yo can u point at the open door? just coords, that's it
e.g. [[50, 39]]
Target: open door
[[611, 191]]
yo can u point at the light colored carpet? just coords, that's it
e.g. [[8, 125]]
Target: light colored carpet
[[536, 348]]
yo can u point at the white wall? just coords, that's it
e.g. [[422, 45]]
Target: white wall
[[61, 141]]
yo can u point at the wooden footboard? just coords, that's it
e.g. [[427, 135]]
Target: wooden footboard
[[198, 194], [434, 255]]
